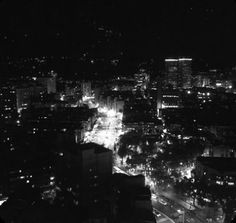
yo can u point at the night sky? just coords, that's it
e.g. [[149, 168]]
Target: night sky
[[198, 28]]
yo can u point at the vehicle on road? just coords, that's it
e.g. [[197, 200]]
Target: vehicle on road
[[162, 201]]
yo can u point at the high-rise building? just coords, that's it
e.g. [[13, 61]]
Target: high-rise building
[[49, 83], [171, 72], [178, 72], [202, 80], [185, 72], [96, 168], [171, 99], [142, 79], [86, 89]]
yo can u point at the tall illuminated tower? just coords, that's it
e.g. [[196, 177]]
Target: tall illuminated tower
[[171, 72], [185, 72], [178, 72]]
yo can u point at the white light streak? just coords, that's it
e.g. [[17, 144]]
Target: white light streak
[[171, 60], [185, 59]]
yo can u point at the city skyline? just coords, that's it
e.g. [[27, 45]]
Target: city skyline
[[117, 111]]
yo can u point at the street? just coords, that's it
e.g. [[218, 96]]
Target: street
[[167, 207], [106, 131]]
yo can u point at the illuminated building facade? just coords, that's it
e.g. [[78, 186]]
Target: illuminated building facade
[[171, 72], [178, 72], [185, 72], [227, 84], [171, 99], [142, 79], [140, 116], [86, 89], [219, 151], [202, 81]]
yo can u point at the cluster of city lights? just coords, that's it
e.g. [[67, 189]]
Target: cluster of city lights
[[107, 130]]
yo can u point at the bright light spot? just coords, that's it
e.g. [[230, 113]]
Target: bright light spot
[[186, 170], [180, 211], [171, 60], [169, 106], [86, 98], [115, 89], [231, 183], [62, 97], [111, 113], [185, 59], [3, 200], [154, 196], [220, 182], [207, 200]]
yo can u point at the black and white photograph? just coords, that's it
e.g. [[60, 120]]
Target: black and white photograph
[[118, 111]]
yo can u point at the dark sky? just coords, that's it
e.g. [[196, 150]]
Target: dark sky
[[199, 28]]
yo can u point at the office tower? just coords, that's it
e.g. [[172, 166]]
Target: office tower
[[171, 72], [202, 80], [49, 83], [178, 72], [185, 72]]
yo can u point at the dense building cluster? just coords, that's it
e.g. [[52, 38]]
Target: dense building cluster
[[131, 148]]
